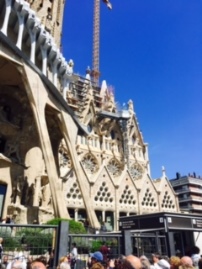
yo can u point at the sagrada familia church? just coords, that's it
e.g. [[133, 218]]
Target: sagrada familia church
[[66, 150]]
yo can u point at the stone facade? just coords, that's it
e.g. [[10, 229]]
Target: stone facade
[[66, 149], [50, 13]]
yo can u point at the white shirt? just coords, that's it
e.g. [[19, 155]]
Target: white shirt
[[74, 253]]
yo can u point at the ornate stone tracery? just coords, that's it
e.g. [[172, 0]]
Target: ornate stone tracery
[[114, 167], [90, 163], [136, 171], [64, 157]]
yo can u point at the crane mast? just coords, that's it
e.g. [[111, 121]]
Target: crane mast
[[96, 39]]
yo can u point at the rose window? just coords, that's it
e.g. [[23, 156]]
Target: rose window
[[90, 164], [136, 171], [114, 168]]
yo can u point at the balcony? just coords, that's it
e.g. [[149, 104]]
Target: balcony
[[196, 190], [190, 198]]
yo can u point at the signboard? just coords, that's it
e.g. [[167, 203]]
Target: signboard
[[161, 221], [152, 223], [197, 223], [174, 222], [129, 224]]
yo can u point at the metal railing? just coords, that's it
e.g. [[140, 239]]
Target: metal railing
[[28, 241], [88, 243]]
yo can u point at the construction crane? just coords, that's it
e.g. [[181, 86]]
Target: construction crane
[[95, 73]]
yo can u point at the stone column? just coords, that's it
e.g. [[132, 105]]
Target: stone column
[[70, 135], [37, 95], [103, 216], [54, 54], [46, 41], [65, 80], [115, 221], [54, 71], [76, 214], [37, 192], [33, 27], [21, 18], [116, 212], [4, 28], [65, 89], [44, 49], [138, 201]]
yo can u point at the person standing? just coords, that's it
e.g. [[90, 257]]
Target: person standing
[[1, 249], [74, 256], [103, 227], [105, 251], [4, 262], [155, 259], [195, 256], [96, 260]]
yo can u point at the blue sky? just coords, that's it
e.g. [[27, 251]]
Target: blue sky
[[150, 52]]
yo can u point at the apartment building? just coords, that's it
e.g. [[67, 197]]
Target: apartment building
[[189, 190]]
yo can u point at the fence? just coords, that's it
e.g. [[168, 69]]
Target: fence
[[32, 241], [88, 243], [28, 241]]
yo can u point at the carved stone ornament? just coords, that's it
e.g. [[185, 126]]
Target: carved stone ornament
[[114, 167], [136, 171], [64, 158], [90, 164]]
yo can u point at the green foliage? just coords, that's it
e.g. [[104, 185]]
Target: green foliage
[[38, 241], [96, 245], [9, 243], [75, 227], [83, 244], [12, 243]]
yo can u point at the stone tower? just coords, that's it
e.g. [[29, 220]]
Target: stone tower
[[50, 13]]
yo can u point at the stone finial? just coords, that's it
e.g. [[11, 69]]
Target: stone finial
[[70, 66], [163, 171], [130, 107], [103, 90], [88, 72]]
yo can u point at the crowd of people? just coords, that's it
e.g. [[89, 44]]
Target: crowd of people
[[103, 259], [153, 261], [96, 261]]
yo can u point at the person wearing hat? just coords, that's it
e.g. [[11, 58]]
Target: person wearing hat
[[96, 260]]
